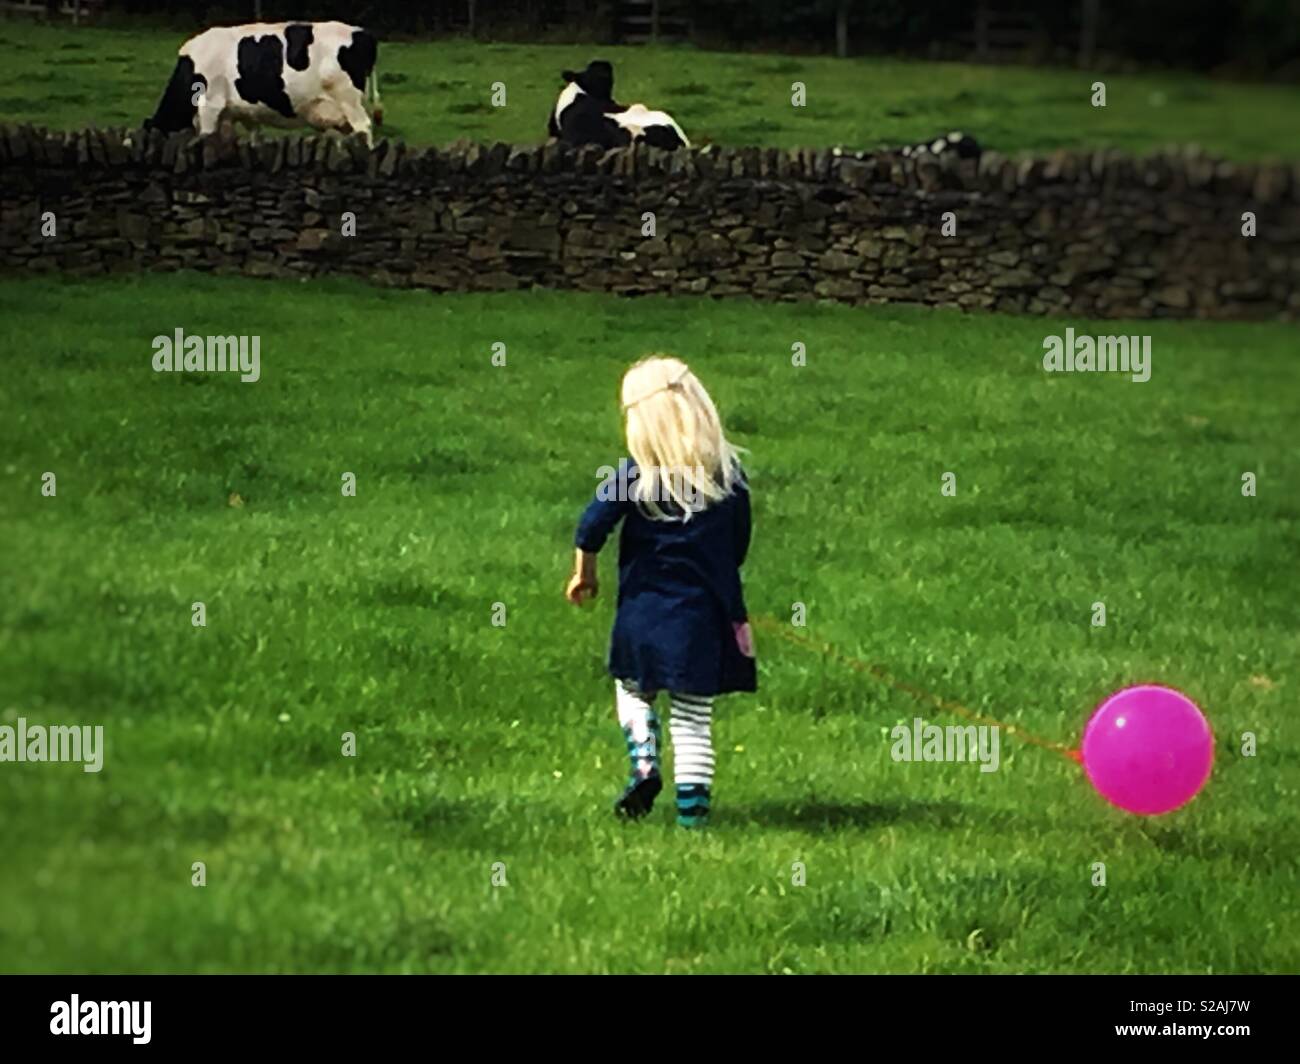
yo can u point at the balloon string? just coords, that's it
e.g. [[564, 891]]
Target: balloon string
[[880, 673]]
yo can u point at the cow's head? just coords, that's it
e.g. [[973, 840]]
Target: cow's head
[[597, 79], [179, 101]]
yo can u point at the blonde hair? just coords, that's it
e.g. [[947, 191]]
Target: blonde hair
[[675, 437]]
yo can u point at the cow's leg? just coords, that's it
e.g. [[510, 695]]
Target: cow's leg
[[208, 119], [210, 107]]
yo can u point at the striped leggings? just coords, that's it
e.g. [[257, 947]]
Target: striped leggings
[[689, 726]]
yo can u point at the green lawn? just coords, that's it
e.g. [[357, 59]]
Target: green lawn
[[439, 91], [481, 744]]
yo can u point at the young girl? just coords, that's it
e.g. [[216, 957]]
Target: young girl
[[681, 625]]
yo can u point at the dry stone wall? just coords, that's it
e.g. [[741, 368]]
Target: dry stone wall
[[1098, 234]]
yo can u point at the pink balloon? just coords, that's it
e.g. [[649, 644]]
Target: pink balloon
[[1148, 749]]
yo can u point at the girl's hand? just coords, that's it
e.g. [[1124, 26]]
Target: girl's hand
[[583, 583], [582, 586]]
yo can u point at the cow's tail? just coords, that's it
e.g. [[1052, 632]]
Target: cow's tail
[[373, 102], [359, 58], [177, 108]]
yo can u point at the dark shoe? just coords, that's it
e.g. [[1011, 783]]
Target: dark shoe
[[639, 798], [692, 805]]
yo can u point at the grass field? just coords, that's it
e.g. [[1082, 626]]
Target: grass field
[[436, 92], [479, 744]]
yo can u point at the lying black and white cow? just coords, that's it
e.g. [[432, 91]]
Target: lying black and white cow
[[962, 144], [285, 73], [586, 113]]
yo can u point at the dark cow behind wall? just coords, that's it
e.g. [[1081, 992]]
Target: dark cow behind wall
[[319, 74], [587, 113]]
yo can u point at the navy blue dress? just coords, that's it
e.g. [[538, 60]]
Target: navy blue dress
[[680, 603]]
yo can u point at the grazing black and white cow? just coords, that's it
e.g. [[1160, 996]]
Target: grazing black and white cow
[[962, 144], [319, 74], [587, 113]]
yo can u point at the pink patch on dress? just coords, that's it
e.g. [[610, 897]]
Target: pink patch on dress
[[744, 638]]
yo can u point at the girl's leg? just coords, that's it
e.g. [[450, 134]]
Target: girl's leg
[[636, 716], [692, 756]]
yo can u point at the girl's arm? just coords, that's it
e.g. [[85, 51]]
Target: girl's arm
[[583, 583], [597, 522]]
